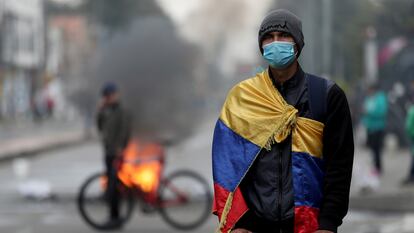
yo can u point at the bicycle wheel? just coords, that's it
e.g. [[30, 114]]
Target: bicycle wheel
[[185, 200], [93, 204]]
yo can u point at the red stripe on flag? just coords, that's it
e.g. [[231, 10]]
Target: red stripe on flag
[[306, 219], [238, 206], [220, 197]]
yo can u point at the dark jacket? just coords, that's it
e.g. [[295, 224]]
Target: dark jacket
[[268, 186], [114, 125]]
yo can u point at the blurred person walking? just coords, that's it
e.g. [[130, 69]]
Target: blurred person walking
[[374, 119], [409, 127], [283, 145], [114, 125]]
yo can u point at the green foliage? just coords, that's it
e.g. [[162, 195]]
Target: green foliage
[[396, 18]]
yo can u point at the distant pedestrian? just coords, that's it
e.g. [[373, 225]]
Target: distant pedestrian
[[409, 127], [114, 125], [374, 120]]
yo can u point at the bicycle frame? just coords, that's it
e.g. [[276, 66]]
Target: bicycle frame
[[155, 201], [140, 169], [166, 192]]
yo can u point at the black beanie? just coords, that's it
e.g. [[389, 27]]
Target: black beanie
[[282, 21]]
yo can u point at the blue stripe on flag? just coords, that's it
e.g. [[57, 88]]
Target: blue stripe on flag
[[232, 156], [307, 179]]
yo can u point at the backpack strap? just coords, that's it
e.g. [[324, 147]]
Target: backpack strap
[[317, 91]]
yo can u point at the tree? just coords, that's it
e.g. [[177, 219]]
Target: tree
[[396, 17]]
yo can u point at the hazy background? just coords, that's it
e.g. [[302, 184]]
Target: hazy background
[[174, 61]]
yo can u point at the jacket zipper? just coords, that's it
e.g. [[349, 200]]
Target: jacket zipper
[[279, 203]]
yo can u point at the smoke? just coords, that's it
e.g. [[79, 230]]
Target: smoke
[[155, 71], [164, 79]]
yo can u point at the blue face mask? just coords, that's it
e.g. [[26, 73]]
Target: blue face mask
[[279, 54]]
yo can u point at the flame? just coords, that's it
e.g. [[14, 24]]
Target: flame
[[142, 166], [146, 176]]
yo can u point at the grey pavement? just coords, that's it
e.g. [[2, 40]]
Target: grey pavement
[[20, 138], [390, 195], [389, 208], [65, 170]]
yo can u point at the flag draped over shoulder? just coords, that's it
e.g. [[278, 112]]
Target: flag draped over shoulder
[[255, 116]]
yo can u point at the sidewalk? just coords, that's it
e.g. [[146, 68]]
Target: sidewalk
[[195, 154], [64, 171], [390, 196], [29, 138]]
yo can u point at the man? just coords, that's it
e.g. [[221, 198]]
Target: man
[[114, 125], [409, 127], [374, 119], [283, 145]]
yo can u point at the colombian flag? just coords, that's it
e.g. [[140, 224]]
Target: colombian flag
[[255, 116]]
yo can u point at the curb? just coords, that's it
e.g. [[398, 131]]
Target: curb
[[12, 149], [403, 201]]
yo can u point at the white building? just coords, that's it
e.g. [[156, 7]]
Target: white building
[[22, 54]]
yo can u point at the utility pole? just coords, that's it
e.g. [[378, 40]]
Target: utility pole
[[371, 54], [311, 39], [326, 37]]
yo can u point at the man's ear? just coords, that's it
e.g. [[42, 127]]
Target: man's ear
[[296, 50]]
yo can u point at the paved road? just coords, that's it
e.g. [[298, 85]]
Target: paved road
[[66, 169]]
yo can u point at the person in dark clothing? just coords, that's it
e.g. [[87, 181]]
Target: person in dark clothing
[[114, 125], [375, 121], [409, 128], [271, 185]]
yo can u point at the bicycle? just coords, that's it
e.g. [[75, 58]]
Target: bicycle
[[183, 198]]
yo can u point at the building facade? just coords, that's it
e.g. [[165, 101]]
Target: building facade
[[22, 55]]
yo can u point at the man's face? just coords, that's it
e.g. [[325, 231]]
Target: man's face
[[277, 36], [112, 98]]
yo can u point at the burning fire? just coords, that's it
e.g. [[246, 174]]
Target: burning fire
[[142, 166]]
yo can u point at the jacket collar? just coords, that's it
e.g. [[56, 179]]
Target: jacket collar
[[291, 83]]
